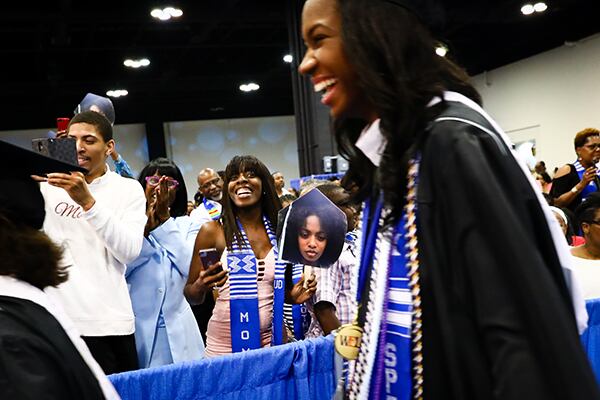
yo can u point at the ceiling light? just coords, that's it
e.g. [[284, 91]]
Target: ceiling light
[[156, 13], [441, 50], [144, 62], [249, 87], [527, 9], [117, 93], [540, 7], [288, 58], [173, 12], [166, 13]]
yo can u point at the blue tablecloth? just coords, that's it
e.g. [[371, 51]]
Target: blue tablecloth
[[302, 370], [591, 337]]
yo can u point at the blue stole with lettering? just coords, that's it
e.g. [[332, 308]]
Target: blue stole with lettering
[[278, 288], [243, 289], [591, 187], [393, 376], [300, 314], [243, 303]]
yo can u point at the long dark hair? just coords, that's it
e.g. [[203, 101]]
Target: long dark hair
[[164, 166], [269, 201], [399, 72]]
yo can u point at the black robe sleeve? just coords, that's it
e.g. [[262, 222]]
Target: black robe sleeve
[[37, 358], [498, 319], [28, 370]]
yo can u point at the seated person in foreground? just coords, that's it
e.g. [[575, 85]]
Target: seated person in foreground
[[42, 355]]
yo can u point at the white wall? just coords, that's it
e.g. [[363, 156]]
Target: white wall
[[195, 145], [130, 139], [548, 97]]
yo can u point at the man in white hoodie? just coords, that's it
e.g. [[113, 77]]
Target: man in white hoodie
[[98, 218]]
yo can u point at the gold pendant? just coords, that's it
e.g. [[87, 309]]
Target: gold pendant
[[348, 338]]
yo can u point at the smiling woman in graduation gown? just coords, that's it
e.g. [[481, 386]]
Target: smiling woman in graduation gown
[[462, 281]]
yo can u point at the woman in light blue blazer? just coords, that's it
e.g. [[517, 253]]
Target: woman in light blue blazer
[[166, 331]]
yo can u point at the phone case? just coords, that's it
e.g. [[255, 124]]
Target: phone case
[[63, 149], [208, 256]]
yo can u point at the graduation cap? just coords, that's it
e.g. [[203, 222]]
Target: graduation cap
[[20, 198], [312, 230], [93, 102]]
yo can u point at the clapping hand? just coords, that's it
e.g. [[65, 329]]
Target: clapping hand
[[157, 209]]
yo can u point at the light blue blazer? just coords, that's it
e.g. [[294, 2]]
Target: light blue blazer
[[156, 280]]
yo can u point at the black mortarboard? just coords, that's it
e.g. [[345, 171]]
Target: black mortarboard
[[20, 198]]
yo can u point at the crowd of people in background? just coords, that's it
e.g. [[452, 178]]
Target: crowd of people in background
[[156, 278], [139, 240]]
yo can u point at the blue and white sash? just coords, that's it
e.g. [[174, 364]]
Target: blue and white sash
[[279, 289], [243, 289], [591, 187], [383, 367], [297, 315], [213, 211], [392, 378]]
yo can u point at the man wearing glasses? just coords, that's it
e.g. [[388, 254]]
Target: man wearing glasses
[[210, 186], [98, 219]]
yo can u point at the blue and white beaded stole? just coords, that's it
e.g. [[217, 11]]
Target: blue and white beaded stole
[[389, 363]]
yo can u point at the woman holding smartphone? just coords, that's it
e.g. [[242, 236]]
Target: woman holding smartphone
[[248, 313], [165, 328]]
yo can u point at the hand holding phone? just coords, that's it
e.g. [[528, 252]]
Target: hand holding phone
[[61, 126], [210, 257]]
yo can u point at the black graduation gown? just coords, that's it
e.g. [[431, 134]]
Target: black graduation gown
[[37, 358], [498, 318]]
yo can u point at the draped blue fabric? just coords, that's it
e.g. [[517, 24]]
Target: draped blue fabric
[[301, 370], [591, 337]]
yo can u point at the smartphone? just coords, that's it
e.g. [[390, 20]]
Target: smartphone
[[64, 149], [61, 126], [209, 257]]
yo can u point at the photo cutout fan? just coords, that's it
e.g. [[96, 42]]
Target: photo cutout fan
[[311, 230]]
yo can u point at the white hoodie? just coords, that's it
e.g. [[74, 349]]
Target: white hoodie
[[97, 244]]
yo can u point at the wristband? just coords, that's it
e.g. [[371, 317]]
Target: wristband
[[574, 190]]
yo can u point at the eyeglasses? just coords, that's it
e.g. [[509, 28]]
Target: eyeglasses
[[592, 146], [207, 185], [155, 179]]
